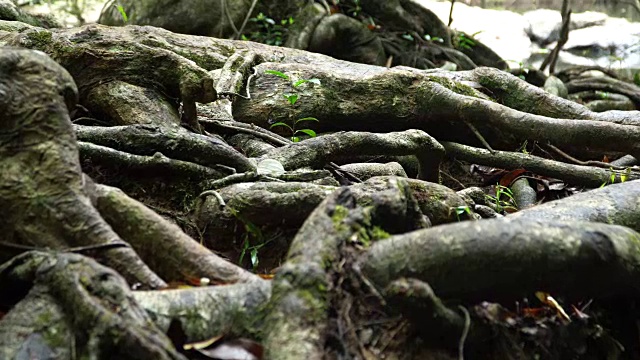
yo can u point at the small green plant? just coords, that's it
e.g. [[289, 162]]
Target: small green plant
[[624, 176], [523, 147], [433, 38], [613, 58], [252, 232], [603, 95], [252, 250], [408, 37], [294, 131], [461, 210], [465, 42], [497, 199], [293, 98], [120, 9]]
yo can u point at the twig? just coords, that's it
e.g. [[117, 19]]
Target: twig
[[479, 136], [465, 332], [233, 26], [246, 18], [216, 195], [585, 163], [451, 13], [564, 37], [453, 179]]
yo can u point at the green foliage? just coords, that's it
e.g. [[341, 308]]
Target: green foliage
[[292, 98], [351, 8], [253, 239], [465, 42], [125, 18], [304, 81], [461, 210], [427, 37], [277, 73], [433, 38], [408, 37], [521, 67], [293, 128], [523, 148], [624, 176], [269, 31], [499, 200]]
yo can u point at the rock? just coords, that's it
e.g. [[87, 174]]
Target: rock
[[612, 45], [502, 31], [544, 24], [541, 24], [555, 86]]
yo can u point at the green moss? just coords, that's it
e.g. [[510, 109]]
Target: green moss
[[43, 40], [45, 318], [338, 216], [377, 233], [455, 86], [39, 40], [51, 333], [364, 236], [365, 201]]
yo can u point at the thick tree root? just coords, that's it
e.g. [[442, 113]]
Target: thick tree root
[[613, 204], [574, 174], [149, 165], [297, 315], [510, 258], [147, 140], [74, 307], [336, 146], [277, 206], [42, 187], [163, 245], [232, 309]]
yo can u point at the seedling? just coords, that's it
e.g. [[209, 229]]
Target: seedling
[[433, 38], [120, 9], [523, 148], [251, 232], [461, 210], [292, 128], [292, 99], [500, 204], [466, 42], [624, 176]]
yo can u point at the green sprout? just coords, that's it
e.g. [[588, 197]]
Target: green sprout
[[120, 9], [294, 131], [461, 210], [292, 99], [500, 204]]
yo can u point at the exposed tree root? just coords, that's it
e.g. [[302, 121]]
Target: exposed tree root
[[511, 258], [46, 203], [74, 307], [575, 174], [352, 252]]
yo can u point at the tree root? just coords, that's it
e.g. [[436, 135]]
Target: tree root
[[575, 174], [511, 258], [74, 307]]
